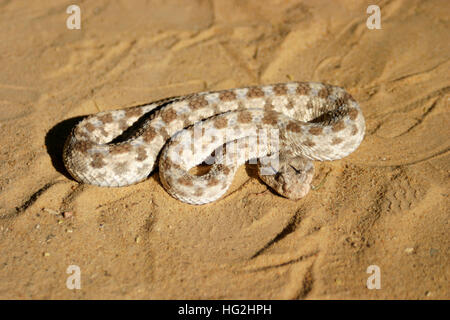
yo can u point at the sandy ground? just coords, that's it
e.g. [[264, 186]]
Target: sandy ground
[[386, 204]]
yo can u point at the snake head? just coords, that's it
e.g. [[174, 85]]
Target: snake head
[[293, 178]]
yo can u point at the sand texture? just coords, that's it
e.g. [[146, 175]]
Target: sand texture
[[386, 204]]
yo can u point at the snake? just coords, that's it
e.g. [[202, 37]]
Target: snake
[[282, 128]]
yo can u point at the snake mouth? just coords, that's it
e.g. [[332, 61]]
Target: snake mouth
[[299, 171]]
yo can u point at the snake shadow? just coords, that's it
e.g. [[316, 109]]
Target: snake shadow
[[54, 142]]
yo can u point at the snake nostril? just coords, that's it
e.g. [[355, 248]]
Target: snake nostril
[[278, 176]]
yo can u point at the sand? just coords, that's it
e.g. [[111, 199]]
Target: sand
[[384, 205]]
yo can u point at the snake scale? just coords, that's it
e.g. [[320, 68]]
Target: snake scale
[[285, 126]]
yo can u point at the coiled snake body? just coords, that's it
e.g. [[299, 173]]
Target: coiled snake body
[[286, 126]]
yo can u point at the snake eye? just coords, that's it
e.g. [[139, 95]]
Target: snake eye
[[298, 171]]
